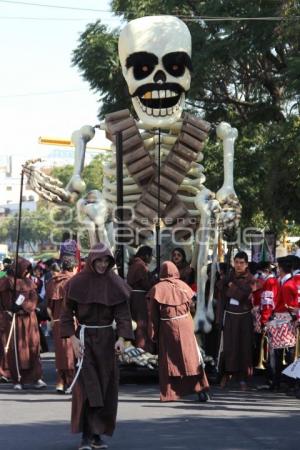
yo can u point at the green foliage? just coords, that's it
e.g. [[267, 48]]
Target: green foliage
[[63, 174], [36, 227], [93, 174], [96, 57]]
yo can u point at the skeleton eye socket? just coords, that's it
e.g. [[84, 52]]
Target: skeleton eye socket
[[142, 63], [176, 63], [141, 71], [174, 69]]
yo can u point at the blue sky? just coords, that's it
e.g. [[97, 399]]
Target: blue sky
[[40, 93]]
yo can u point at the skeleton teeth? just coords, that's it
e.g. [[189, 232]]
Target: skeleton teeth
[[155, 94], [168, 93], [147, 95], [170, 111], [149, 111], [162, 94], [163, 112], [156, 112], [173, 94]]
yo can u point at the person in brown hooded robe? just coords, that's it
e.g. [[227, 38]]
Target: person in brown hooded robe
[[235, 320], [64, 355], [171, 326], [24, 360], [141, 280], [96, 297]]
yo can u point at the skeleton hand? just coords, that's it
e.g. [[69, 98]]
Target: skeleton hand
[[206, 202], [93, 208], [47, 187], [138, 356], [231, 211]]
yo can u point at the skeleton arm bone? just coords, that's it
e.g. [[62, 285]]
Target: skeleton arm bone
[[206, 204], [226, 195], [80, 138], [210, 311]]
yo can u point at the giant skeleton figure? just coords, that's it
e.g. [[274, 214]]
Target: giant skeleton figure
[[155, 54]]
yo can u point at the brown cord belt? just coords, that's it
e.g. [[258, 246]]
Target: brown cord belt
[[143, 170]]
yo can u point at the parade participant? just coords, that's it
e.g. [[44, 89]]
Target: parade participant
[[269, 292], [55, 292], [38, 278], [186, 272], [7, 262], [171, 327], [141, 280], [266, 297], [96, 297], [4, 371], [256, 311], [23, 345], [296, 276], [69, 248], [282, 329], [236, 345], [2, 271]]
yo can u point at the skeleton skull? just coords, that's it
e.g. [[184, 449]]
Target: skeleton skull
[[155, 54]]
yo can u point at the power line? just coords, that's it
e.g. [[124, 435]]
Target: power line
[[74, 8], [34, 94], [46, 18], [61, 19], [185, 17], [237, 19]]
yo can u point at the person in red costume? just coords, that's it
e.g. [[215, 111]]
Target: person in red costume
[[285, 310], [268, 293]]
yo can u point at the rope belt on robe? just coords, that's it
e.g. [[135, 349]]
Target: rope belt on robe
[[175, 317], [201, 362], [138, 290], [80, 360], [14, 332]]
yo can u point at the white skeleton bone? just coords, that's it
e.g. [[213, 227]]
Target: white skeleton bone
[[151, 94], [226, 195]]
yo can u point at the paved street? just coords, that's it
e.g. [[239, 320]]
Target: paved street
[[231, 421]]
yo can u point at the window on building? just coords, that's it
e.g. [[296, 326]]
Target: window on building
[[31, 198]]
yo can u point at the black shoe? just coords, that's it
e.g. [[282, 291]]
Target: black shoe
[[4, 379], [274, 387], [203, 397], [85, 444], [97, 442]]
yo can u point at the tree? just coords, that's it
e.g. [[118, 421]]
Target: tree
[[36, 227], [50, 220], [257, 92]]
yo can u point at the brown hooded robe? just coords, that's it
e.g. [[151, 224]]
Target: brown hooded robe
[[180, 370], [64, 356], [28, 337], [139, 279], [238, 334], [96, 299]]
